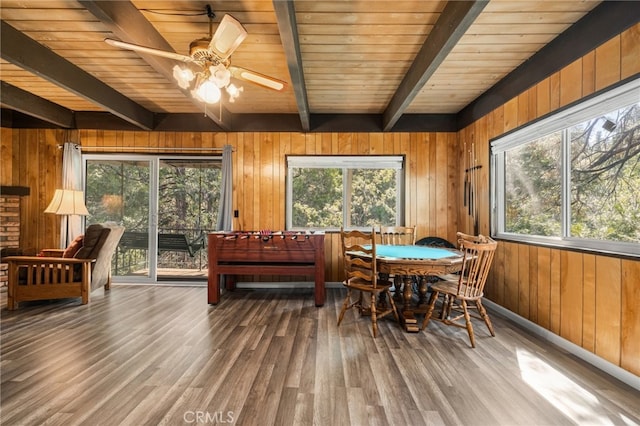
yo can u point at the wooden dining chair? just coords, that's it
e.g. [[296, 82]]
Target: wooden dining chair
[[361, 274], [472, 238], [460, 290], [432, 241], [397, 236]]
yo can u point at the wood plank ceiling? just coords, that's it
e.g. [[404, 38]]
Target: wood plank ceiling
[[382, 60]]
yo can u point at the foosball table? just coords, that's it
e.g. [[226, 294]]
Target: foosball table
[[265, 253]]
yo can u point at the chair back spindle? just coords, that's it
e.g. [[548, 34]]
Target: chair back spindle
[[398, 235], [478, 257]]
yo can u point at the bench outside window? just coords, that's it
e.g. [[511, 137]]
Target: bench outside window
[[166, 242]]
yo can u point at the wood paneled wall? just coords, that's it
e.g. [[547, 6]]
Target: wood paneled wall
[[588, 299], [31, 158], [259, 168]]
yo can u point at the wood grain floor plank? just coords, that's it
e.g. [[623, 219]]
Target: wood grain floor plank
[[160, 355]]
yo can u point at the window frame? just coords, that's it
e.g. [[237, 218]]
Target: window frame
[[346, 163], [621, 95]]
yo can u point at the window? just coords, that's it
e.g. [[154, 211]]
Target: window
[[573, 179], [327, 192]]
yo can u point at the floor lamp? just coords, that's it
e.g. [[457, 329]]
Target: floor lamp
[[67, 202]]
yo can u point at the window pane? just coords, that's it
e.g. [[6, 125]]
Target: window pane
[[118, 191], [605, 177], [188, 202], [373, 197], [327, 192], [317, 197], [533, 189]]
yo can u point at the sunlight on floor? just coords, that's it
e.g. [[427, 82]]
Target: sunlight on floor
[[572, 400]]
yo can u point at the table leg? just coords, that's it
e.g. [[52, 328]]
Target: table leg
[[382, 301], [422, 289], [397, 284], [213, 287], [382, 298], [408, 318], [319, 290]]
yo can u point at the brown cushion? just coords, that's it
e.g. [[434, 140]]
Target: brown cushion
[[94, 238], [74, 247]]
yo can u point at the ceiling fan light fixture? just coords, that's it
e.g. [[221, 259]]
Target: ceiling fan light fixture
[[184, 76], [233, 91], [207, 92], [220, 75], [211, 56], [228, 36]]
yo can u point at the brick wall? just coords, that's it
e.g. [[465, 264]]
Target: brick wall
[[9, 228]]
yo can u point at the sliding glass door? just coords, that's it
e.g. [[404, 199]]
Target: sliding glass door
[[118, 190], [167, 205], [188, 198]]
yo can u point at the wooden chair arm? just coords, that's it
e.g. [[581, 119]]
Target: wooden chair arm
[[41, 259], [52, 252]]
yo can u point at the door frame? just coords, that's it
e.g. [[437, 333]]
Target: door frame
[[154, 177]]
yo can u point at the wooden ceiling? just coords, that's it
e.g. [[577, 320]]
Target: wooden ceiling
[[364, 64]]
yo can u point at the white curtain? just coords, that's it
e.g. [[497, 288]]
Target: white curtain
[[71, 179], [225, 219]]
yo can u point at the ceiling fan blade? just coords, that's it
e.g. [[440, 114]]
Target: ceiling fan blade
[[228, 36], [149, 50], [257, 78]]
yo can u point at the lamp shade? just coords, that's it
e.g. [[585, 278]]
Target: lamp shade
[[208, 92], [183, 76], [67, 202]]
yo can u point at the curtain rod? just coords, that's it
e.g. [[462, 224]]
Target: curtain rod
[[143, 148]]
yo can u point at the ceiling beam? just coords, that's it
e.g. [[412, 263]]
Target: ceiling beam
[[196, 122], [127, 23], [30, 55], [288, 28], [27, 103], [453, 22]]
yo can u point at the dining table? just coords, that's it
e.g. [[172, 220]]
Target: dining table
[[415, 261]]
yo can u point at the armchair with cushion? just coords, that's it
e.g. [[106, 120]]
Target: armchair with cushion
[[56, 274]]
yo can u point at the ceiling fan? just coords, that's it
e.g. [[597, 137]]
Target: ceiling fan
[[211, 56]]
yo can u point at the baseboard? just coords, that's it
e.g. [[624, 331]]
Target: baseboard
[[285, 284], [242, 284], [600, 363]]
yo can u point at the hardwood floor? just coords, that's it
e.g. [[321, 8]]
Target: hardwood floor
[[160, 355]]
